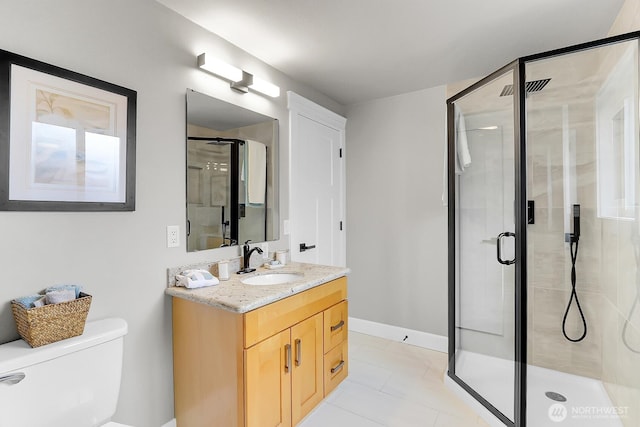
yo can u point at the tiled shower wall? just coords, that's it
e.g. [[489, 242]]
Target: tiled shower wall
[[608, 280], [621, 338], [621, 358], [549, 269]]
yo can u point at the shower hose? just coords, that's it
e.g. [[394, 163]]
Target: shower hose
[[626, 323], [635, 239], [574, 295]]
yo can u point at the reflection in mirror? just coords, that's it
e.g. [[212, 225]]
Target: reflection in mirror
[[232, 174]]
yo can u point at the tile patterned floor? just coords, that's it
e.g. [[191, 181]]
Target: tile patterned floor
[[395, 385]]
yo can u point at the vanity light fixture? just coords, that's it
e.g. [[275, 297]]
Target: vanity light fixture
[[241, 80], [219, 68], [265, 87]]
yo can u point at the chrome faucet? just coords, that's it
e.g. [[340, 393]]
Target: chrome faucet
[[246, 251]]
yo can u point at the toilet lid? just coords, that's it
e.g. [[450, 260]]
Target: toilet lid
[[113, 424]]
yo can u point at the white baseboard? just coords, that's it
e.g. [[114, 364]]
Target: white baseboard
[[396, 333], [171, 423]]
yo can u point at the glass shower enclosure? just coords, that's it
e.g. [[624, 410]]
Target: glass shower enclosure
[[544, 238]]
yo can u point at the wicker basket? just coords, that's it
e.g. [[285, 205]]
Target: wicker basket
[[50, 323]]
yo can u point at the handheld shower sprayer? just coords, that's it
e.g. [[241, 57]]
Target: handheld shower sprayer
[[573, 239], [575, 236], [576, 223]]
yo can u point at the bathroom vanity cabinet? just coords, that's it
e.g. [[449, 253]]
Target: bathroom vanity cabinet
[[267, 367]]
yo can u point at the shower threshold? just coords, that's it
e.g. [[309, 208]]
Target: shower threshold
[[587, 403]]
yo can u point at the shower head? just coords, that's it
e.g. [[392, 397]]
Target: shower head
[[533, 86]]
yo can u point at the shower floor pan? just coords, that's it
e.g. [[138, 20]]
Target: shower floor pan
[[587, 402]]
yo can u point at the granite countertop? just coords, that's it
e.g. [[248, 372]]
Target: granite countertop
[[233, 295]]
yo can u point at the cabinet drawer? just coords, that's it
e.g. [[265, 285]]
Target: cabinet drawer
[[336, 367], [270, 319], [335, 325]]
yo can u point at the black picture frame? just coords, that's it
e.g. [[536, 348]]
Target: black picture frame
[[67, 140]]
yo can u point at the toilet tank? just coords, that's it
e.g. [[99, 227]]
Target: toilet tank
[[70, 383]]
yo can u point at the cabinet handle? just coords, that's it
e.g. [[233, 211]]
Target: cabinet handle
[[287, 363], [298, 352], [338, 326], [337, 367]]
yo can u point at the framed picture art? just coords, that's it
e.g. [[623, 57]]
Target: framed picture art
[[67, 141]]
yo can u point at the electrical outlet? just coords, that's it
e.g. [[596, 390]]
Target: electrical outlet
[[173, 236], [265, 249]]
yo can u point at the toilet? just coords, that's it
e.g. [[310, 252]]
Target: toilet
[[70, 383]]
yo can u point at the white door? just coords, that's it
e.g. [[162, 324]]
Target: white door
[[317, 184]]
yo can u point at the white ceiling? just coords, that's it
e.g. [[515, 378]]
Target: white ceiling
[[357, 50]]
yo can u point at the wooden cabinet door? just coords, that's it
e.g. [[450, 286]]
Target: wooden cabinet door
[[268, 368], [307, 389]]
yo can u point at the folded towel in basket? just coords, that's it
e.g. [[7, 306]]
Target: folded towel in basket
[[28, 301], [60, 295], [196, 279], [76, 289], [51, 295]]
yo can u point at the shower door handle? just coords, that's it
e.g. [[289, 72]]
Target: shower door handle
[[499, 248]]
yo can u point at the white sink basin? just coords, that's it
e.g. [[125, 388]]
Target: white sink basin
[[271, 279]]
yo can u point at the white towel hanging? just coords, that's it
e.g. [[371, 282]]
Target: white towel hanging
[[463, 157], [256, 171]]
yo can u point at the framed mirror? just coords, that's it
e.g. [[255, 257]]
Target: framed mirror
[[232, 171]]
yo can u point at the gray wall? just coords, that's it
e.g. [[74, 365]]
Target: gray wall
[[121, 257], [397, 224]]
